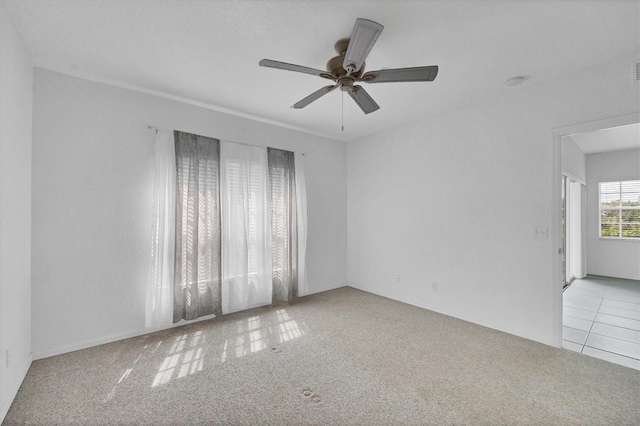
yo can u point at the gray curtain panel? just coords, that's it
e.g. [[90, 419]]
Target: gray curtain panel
[[197, 247], [284, 246]]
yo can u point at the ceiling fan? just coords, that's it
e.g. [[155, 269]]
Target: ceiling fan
[[347, 68]]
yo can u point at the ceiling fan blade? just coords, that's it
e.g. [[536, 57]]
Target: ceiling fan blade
[[291, 67], [401, 74], [363, 37], [364, 101], [314, 96]]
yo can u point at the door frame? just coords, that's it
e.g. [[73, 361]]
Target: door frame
[[556, 219]]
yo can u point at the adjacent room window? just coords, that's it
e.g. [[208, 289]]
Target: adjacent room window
[[620, 209]]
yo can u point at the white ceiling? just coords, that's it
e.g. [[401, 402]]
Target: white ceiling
[[606, 140], [207, 52]]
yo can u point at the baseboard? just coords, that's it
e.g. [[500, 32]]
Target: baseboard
[[540, 339], [90, 343], [596, 275], [13, 391], [113, 338], [136, 333], [323, 289]]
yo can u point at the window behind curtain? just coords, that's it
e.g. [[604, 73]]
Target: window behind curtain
[[236, 236], [197, 245], [284, 249], [620, 209], [246, 243]]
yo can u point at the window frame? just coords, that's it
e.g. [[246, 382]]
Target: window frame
[[620, 208]]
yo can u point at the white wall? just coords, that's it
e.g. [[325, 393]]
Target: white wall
[[573, 159], [605, 256], [16, 95], [92, 193], [453, 199]]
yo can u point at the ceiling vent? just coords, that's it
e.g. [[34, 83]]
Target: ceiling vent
[[637, 71]]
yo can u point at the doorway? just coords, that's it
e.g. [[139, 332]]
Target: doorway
[[601, 310], [561, 272]]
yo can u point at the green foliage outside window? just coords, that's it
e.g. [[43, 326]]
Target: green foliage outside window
[[620, 209]]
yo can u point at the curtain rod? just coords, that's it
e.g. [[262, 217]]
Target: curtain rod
[[150, 127]]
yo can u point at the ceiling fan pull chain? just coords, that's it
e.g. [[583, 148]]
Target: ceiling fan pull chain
[[343, 111]]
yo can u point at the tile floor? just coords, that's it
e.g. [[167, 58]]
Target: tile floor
[[602, 319]]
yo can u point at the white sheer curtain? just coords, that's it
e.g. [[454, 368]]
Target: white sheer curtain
[[159, 301], [246, 227], [301, 211], [247, 270]]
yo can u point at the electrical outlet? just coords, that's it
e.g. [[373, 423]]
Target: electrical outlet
[[397, 278], [434, 286]]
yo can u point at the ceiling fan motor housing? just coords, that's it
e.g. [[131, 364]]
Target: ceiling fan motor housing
[[346, 84], [335, 66]]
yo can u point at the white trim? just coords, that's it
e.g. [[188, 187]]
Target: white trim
[[555, 234], [248, 308], [328, 288], [637, 240], [593, 126], [573, 177], [13, 390], [543, 339], [188, 101], [113, 338], [142, 332]]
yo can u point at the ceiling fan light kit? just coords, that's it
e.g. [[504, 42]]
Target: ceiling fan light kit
[[348, 68]]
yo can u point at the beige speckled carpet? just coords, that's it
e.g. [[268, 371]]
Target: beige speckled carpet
[[339, 357]]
